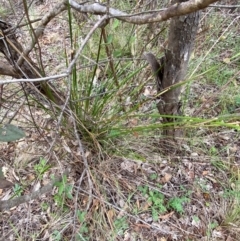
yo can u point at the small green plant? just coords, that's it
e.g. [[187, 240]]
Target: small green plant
[[153, 176], [83, 230], [211, 227], [18, 190], [231, 199], [120, 225], [213, 151], [64, 191], [144, 190], [156, 199], [41, 167], [56, 235], [159, 204], [176, 203], [3, 12], [44, 206]]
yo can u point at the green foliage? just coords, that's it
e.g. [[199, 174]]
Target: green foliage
[[64, 191], [211, 227], [81, 216], [44, 206], [56, 235], [10, 132], [100, 106], [83, 230], [176, 203], [3, 12], [18, 190], [153, 176], [160, 205], [156, 199], [41, 167], [120, 225]]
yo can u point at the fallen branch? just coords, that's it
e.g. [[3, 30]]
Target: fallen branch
[[7, 204]]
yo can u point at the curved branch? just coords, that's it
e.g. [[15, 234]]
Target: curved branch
[[177, 9], [43, 23]]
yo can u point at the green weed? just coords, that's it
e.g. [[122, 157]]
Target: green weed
[[83, 230], [159, 203], [18, 190], [176, 203], [41, 167], [120, 225], [64, 192]]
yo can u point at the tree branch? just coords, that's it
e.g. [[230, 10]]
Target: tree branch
[[42, 24], [96, 8], [177, 9], [225, 6]]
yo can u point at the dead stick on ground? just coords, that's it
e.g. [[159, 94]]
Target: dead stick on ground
[[7, 204]]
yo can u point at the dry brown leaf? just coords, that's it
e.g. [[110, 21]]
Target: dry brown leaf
[[30, 177], [204, 173], [110, 215], [206, 196], [162, 239], [167, 177], [226, 60], [95, 204], [140, 225], [191, 175], [87, 154], [229, 238], [137, 204], [66, 147], [146, 205], [128, 166], [132, 122], [211, 179], [166, 216]]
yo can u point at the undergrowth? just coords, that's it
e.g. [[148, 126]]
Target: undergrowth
[[139, 183]]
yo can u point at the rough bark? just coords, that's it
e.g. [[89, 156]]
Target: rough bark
[[181, 38], [13, 51]]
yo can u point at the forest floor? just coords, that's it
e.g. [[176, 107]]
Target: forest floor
[[138, 186]]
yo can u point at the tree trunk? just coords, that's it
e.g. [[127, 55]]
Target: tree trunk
[[12, 50], [181, 38]]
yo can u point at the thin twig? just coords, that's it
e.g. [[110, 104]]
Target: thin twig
[[85, 41], [224, 6]]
